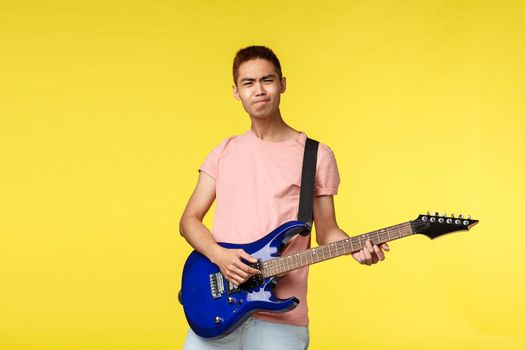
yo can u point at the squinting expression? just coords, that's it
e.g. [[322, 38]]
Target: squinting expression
[[258, 88]]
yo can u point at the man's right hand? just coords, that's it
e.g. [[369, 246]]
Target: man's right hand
[[231, 265]]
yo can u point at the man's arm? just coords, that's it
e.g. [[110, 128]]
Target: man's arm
[[327, 231], [200, 238]]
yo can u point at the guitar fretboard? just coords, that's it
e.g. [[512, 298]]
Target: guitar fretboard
[[287, 263]]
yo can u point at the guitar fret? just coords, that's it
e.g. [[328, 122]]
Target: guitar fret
[[306, 256], [294, 261]]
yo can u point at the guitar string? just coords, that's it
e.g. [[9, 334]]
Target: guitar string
[[339, 246], [296, 261], [347, 242], [344, 246]]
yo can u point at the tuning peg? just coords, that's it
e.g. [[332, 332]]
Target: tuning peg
[[468, 217], [428, 213], [452, 216], [444, 215], [461, 216]]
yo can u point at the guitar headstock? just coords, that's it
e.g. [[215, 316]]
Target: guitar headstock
[[434, 225]]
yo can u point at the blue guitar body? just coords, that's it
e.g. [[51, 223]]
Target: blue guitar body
[[214, 307]]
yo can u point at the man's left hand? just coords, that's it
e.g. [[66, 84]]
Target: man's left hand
[[370, 254]]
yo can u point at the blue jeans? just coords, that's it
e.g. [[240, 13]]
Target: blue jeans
[[254, 334]]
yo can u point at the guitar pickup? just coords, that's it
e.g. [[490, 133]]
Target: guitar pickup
[[233, 288], [217, 282]]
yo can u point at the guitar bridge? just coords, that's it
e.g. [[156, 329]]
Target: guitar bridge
[[216, 285]]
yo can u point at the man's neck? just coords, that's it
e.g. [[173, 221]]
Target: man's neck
[[272, 129]]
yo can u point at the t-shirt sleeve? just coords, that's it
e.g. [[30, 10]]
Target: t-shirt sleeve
[[327, 175], [211, 164]]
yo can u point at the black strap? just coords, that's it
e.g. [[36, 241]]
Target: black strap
[[306, 199]]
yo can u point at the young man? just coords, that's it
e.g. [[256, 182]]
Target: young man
[[255, 180]]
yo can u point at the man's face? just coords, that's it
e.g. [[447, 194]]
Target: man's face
[[258, 87]]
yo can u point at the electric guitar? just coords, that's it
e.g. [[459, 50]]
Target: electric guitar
[[215, 307]]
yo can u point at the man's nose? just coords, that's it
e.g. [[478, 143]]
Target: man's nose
[[260, 88]]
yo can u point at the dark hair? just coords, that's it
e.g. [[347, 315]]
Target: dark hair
[[253, 52]]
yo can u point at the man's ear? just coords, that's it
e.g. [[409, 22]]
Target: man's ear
[[235, 92], [283, 84]]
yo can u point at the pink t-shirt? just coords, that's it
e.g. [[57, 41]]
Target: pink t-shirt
[[257, 189]]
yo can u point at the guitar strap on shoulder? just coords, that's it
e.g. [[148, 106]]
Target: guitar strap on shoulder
[[306, 198]]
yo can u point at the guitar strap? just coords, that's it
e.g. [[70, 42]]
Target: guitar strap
[[306, 198]]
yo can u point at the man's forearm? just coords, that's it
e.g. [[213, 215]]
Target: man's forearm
[[333, 235], [199, 237]]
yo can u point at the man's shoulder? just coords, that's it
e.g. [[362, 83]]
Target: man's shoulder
[[324, 150], [232, 139], [227, 142]]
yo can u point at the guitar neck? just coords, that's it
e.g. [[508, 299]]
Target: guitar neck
[[311, 256]]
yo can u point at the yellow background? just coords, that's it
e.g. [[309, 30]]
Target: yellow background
[[108, 108]]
